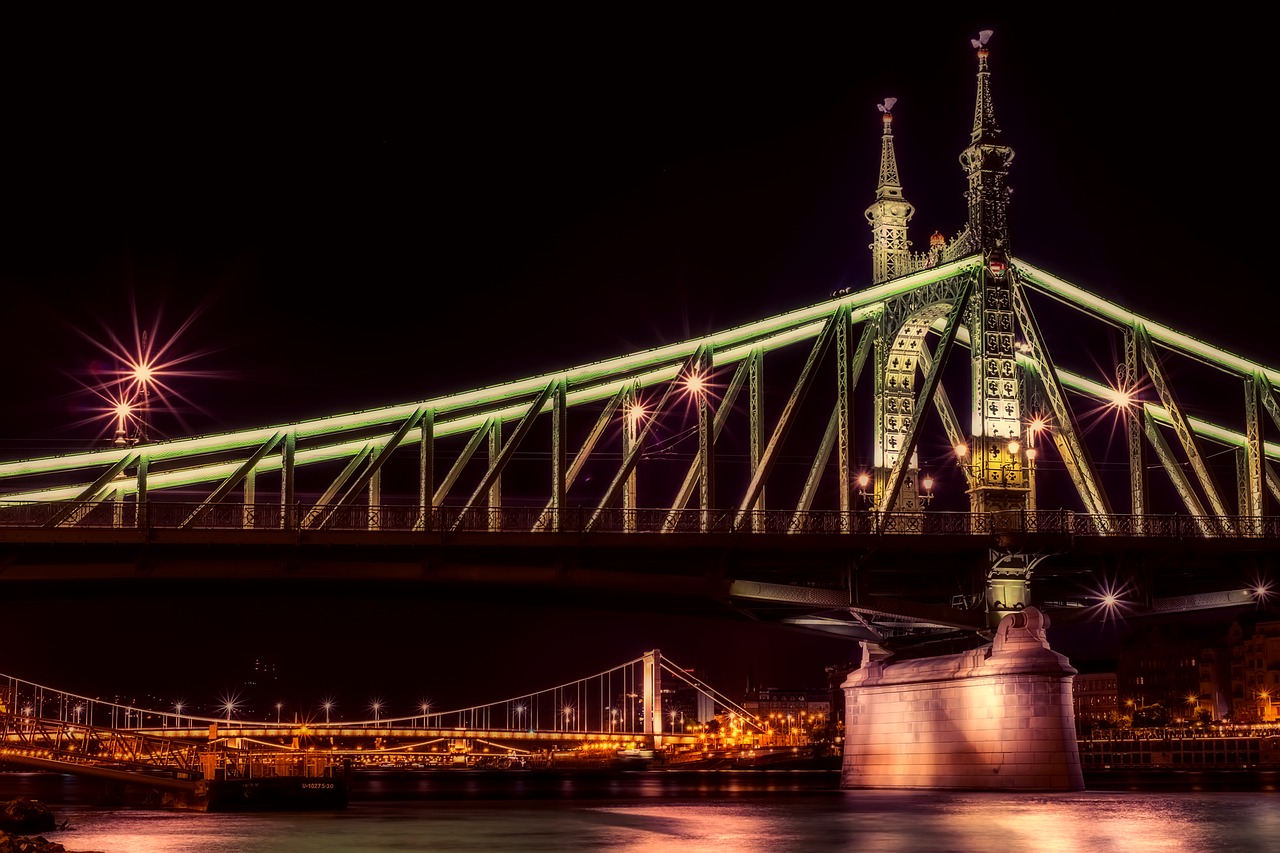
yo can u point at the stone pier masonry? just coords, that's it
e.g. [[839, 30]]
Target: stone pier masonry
[[998, 717]]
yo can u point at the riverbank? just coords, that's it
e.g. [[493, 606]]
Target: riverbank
[[19, 818]]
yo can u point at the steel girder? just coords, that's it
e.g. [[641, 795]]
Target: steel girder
[[363, 445]]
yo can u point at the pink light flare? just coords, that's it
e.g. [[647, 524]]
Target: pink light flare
[[142, 378]]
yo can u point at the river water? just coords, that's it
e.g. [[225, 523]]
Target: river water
[[795, 812]]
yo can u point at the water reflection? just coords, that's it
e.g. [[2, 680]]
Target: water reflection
[[647, 813]]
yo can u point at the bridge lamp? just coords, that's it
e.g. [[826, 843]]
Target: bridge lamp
[[425, 707], [963, 460], [142, 375], [279, 705], [375, 706], [695, 384], [122, 410], [328, 706], [636, 413], [864, 482], [926, 483]]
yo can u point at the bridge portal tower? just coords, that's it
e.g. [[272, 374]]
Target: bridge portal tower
[[998, 447], [1000, 451], [652, 696], [896, 350], [996, 451]]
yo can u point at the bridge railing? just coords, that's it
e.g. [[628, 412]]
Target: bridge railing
[[173, 515]]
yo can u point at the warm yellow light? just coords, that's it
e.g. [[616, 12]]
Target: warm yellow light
[[863, 480], [1031, 454], [695, 384], [636, 412], [1014, 447], [962, 450], [927, 482]]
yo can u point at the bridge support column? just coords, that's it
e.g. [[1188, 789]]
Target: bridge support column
[[1008, 587], [999, 717]]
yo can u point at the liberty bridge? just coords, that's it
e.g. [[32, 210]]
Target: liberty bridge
[[917, 460]]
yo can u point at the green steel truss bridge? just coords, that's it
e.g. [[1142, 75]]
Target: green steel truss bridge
[[965, 435]]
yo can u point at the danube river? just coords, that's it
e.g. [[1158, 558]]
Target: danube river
[[656, 812]]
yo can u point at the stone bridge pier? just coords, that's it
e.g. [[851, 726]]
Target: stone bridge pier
[[999, 717]]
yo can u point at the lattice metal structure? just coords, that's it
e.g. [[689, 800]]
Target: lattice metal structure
[[666, 441]]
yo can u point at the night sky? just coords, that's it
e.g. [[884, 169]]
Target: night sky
[[328, 214]]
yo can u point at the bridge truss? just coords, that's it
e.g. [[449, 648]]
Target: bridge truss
[[808, 498], [652, 449]]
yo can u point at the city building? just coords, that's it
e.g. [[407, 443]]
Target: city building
[[790, 712], [1255, 671], [1094, 697]]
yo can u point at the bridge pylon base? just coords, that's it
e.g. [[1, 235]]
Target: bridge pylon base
[[999, 717]]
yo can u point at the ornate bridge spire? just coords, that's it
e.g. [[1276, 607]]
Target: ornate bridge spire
[[986, 161], [889, 215], [997, 453]]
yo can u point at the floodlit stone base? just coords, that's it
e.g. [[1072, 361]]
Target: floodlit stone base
[[998, 717]]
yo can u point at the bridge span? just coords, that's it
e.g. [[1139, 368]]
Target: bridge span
[[641, 709], [902, 573]]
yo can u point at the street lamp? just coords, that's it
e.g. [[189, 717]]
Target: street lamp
[[279, 705], [519, 710], [426, 710], [328, 706], [864, 480]]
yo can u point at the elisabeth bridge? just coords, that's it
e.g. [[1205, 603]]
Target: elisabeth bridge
[[629, 711], [966, 435]]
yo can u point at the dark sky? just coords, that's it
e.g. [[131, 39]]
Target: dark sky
[[338, 213]]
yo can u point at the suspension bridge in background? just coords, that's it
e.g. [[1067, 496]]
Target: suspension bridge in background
[[642, 710], [920, 460]]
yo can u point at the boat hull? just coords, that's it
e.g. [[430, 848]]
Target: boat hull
[[277, 793]]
